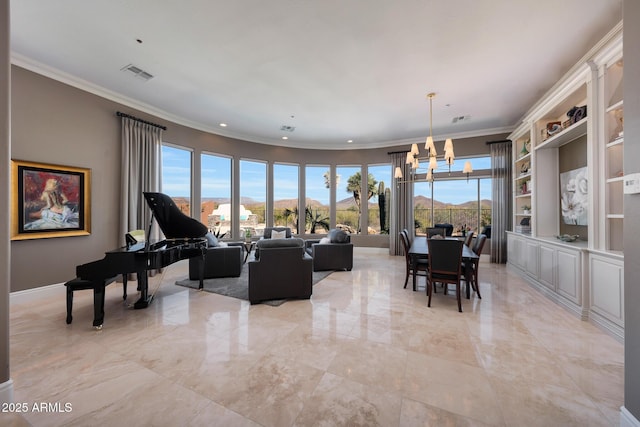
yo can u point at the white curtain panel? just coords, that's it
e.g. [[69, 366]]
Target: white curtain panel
[[401, 204], [141, 147], [501, 209]]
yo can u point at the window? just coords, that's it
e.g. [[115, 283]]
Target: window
[[380, 203], [465, 204], [176, 176], [349, 198], [253, 196], [215, 194], [317, 204], [285, 196]]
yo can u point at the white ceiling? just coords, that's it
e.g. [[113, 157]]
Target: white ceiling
[[333, 69]]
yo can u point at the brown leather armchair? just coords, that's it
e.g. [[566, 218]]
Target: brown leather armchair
[[281, 270], [334, 254]]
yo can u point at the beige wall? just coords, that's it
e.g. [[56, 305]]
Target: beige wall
[[59, 124]]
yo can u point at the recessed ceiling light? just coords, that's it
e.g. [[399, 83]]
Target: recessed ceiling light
[[285, 137], [349, 141], [224, 125]]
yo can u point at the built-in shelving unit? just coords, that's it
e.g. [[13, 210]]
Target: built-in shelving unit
[[613, 140], [553, 150]]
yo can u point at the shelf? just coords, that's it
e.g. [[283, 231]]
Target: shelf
[[615, 216], [523, 214], [525, 157], [569, 134], [616, 179], [615, 106], [615, 142], [524, 175], [523, 195]]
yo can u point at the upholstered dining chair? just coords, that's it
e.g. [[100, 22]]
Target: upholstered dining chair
[[471, 267], [445, 266], [468, 239], [435, 231], [421, 266]]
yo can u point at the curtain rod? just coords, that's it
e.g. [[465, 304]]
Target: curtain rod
[[498, 142], [397, 152], [119, 114]]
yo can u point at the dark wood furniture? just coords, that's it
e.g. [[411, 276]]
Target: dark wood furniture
[[445, 266], [420, 250]]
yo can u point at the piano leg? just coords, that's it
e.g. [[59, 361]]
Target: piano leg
[[124, 286], [201, 270], [98, 305], [143, 285]]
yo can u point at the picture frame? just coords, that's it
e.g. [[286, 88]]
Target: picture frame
[[49, 200]]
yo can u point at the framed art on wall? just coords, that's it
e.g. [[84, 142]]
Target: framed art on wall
[[49, 200]]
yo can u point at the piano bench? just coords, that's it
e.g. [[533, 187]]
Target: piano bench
[[78, 284]]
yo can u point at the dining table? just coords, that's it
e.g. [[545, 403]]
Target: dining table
[[420, 250]]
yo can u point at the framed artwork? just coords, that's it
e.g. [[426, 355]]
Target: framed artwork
[[49, 201], [574, 196]]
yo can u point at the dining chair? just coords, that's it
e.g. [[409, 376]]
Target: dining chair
[[421, 266], [435, 231], [471, 267], [445, 266], [468, 239]]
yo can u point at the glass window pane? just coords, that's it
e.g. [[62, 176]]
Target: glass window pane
[[456, 203], [422, 206], [485, 203], [348, 198], [317, 184], [215, 209], [380, 203], [253, 196], [176, 176], [285, 196]]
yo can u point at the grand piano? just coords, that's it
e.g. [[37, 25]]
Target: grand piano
[[185, 238]]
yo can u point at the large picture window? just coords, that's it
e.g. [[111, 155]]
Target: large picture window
[[285, 196], [253, 196], [349, 198], [380, 203], [463, 203], [215, 194], [176, 176], [317, 203]]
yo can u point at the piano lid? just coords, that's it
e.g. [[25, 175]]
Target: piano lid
[[173, 223]]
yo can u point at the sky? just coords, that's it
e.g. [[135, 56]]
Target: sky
[[216, 179]]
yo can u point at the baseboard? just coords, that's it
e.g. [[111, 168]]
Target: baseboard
[[6, 392], [34, 294], [627, 419]]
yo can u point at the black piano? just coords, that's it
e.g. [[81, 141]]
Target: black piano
[[185, 238]]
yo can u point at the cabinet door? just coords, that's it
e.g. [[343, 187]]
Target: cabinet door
[[531, 260], [547, 267], [569, 267], [607, 288]]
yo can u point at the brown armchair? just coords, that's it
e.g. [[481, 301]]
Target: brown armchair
[[335, 252], [281, 270]]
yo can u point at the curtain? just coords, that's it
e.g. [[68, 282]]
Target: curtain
[[141, 147], [501, 208], [402, 204]]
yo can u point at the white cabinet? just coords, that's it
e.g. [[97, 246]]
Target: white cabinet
[[606, 291], [548, 261], [569, 275]]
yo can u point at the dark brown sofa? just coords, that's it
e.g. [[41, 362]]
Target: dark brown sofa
[[219, 261], [281, 269], [334, 254]]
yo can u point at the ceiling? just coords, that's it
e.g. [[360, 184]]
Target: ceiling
[[334, 70]]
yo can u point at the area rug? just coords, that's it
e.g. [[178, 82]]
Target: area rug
[[238, 287]]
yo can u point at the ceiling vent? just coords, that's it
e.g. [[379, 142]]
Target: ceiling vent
[[137, 72], [287, 128], [458, 119]]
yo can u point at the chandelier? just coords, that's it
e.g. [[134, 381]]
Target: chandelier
[[413, 156]]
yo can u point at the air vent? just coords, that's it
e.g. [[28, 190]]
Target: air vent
[[287, 128], [137, 72], [461, 119]]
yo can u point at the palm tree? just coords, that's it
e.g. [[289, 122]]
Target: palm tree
[[354, 185]]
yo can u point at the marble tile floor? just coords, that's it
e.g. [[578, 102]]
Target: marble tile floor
[[362, 352]]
